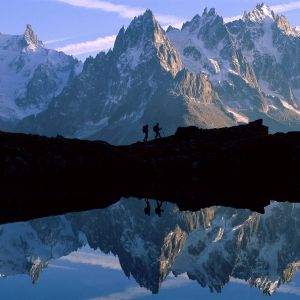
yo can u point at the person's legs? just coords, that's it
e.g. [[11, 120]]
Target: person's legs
[[147, 208]]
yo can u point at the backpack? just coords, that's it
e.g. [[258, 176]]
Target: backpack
[[155, 128], [145, 128]]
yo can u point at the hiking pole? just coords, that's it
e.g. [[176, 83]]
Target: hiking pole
[[163, 132]]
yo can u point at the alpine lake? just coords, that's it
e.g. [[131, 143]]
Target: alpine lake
[[123, 253]]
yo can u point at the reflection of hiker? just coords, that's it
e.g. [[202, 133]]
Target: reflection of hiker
[[158, 209], [145, 131], [147, 208], [156, 129]]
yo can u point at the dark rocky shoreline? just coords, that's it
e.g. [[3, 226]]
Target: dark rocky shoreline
[[241, 167]]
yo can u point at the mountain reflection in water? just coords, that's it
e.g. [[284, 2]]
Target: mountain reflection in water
[[213, 246]]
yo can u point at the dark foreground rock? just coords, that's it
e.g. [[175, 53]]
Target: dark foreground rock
[[240, 167]]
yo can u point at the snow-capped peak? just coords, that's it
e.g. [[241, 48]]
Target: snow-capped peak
[[260, 13], [30, 75], [31, 39], [297, 30]]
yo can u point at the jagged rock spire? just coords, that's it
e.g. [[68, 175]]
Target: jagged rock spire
[[36, 269], [212, 12], [263, 12], [209, 13], [31, 38], [141, 27], [208, 16], [143, 40], [283, 24]]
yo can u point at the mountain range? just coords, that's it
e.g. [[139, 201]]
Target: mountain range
[[208, 73]]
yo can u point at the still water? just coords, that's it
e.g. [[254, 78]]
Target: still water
[[121, 253]]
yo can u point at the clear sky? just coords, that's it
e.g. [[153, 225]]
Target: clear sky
[[84, 27]]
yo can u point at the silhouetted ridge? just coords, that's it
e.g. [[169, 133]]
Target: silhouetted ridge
[[253, 129], [241, 167]]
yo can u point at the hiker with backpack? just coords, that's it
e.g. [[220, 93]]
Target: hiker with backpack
[[158, 209], [147, 208], [157, 130]]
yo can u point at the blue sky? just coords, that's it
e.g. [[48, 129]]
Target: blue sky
[[84, 27]]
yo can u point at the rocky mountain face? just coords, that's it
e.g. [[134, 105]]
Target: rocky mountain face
[[30, 76], [250, 63], [212, 246], [209, 74]]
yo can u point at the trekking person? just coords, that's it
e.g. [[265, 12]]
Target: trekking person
[[147, 208], [157, 130], [158, 209], [145, 131]]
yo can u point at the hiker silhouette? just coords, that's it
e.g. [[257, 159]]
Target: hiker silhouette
[[147, 208], [157, 130], [145, 131], [158, 209]]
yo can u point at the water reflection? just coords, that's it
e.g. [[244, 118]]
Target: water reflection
[[213, 246]]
